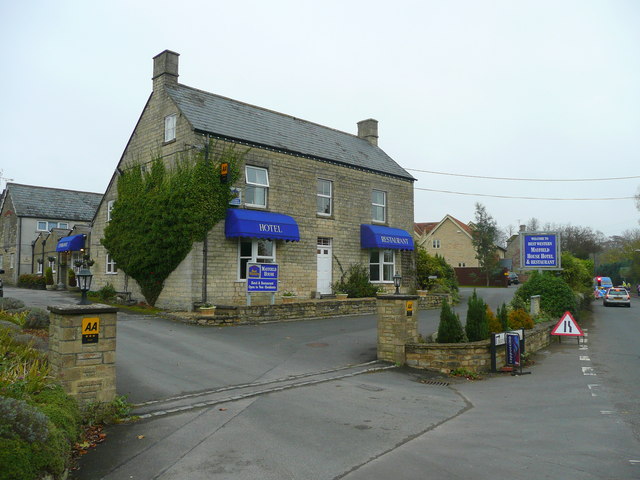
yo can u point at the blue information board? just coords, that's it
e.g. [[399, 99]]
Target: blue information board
[[513, 349], [262, 277], [540, 250]]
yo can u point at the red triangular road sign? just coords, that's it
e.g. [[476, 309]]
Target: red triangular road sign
[[567, 326]]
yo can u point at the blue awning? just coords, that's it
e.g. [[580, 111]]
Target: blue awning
[[376, 236], [72, 243], [258, 224]]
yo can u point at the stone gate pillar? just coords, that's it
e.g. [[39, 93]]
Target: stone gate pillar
[[82, 350], [397, 326]]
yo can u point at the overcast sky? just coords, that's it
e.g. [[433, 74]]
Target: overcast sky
[[520, 89]]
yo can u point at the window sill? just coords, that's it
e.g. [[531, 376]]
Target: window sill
[[110, 273], [169, 142], [327, 217]]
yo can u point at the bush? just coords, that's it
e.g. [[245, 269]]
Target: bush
[[39, 423], [72, 278], [556, 296], [29, 280], [520, 319], [493, 322], [450, 329], [357, 283], [10, 304], [503, 317], [22, 421], [434, 266], [48, 276], [476, 328], [37, 319]]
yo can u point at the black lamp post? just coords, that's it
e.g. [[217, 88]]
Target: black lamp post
[[396, 282], [84, 277]]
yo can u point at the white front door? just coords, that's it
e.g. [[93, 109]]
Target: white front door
[[324, 265]]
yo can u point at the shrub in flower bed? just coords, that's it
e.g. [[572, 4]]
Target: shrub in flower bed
[[29, 280], [39, 423], [9, 304]]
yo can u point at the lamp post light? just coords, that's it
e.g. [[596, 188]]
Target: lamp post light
[[84, 277], [396, 282]]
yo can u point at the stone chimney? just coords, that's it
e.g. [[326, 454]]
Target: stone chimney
[[165, 69], [523, 228], [368, 129]]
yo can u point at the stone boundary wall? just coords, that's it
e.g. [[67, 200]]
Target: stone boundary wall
[[473, 356], [232, 315]]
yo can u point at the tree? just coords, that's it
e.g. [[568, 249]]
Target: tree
[[159, 213], [581, 242], [450, 329], [484, 237], [477, 327]]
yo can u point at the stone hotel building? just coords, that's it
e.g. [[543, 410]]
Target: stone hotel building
[[313, 200]]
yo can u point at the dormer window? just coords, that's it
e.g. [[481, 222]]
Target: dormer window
[[170, 128]]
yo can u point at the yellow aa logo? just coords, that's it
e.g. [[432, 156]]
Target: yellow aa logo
[[90, 326]]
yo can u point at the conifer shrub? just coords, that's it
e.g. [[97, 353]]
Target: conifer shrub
[[476, 327], [503, 317], [48, 276], [450, 329]]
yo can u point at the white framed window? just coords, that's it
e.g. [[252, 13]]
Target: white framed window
[[462, 264], [52, 265], [12, 260], [170, 128], [324, 197], [435, 243], [42, 226], [109, 208], [1, 261], [254, 250], [379, 206], [257, 186], [381, 266], [63, 225], [39, 268], [111, 267], [76, 257]]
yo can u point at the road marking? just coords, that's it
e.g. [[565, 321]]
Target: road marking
[[634, 462], [588, 371], [584, 358], [583, 347], [607, 412], [593, 387]]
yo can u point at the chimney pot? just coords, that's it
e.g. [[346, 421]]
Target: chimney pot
[[368, 129]]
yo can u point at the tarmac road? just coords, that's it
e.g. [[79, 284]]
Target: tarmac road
[[290, 401]]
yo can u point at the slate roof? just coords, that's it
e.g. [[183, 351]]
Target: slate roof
[[234, 120], [53, 203]]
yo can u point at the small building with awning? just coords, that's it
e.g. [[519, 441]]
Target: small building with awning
[[312, 199], [60, 249]]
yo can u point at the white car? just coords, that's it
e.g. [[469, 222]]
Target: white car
[[616, 296]]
